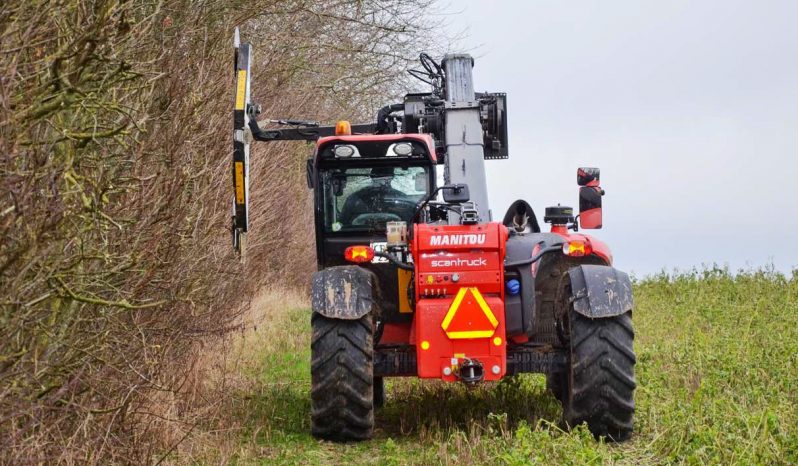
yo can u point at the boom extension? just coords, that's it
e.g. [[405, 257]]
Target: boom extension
[[467, 128], [308, 133], [241, 119]]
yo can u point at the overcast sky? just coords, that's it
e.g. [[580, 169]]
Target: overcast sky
[[690, 109]]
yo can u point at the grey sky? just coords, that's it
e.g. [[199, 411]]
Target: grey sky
[[690, 109]]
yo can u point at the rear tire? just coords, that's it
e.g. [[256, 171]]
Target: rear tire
[[342, 378], [600, 379]]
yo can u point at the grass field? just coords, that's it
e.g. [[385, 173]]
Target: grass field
[[717, 381]]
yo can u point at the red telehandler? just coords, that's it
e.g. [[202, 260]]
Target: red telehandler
[[415, 279]]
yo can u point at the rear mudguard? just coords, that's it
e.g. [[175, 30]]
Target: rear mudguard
[[600, 291], [520, 309], [344, 292]]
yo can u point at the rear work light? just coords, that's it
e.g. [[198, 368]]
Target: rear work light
[[577, 248], [359, 254]]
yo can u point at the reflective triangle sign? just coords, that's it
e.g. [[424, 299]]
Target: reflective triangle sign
[[469, 316]]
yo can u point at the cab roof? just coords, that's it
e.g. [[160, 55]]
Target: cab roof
[[357, 139]]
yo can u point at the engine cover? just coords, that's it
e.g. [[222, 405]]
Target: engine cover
[[459, 283]]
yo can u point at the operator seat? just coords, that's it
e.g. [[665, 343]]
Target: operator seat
[[521, 218]]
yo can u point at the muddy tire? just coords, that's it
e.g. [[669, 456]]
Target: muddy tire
[[342, 378], [600, 383]]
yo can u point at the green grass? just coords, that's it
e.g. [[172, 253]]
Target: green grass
[[717, 380]]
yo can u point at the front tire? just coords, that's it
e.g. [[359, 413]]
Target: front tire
[[342, 378], [600, 379]]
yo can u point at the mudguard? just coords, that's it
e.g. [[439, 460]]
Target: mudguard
[[344, 292], [521, 309], [600, 291]]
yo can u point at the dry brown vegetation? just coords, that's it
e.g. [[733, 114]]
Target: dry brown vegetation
[[115, 264]]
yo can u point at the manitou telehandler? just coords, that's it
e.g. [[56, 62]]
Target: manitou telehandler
[[416, 280]]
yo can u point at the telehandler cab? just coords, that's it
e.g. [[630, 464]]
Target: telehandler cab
[[416, 280]]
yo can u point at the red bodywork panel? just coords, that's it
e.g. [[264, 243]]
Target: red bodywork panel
[[459, 286], [600, 248], [395, 334]]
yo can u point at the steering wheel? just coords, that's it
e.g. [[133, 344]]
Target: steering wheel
[[372, 201], [375, 218], [394, 201]]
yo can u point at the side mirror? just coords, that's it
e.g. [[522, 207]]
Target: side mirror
[[588, 176], [309, 172], [589, 198], [421, 182], [590, 207], [456, 193]]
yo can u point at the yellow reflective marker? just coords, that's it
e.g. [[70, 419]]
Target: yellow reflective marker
[[404, 277], [425, 345], [239, 169], [485, 308], [453, 308], [497, 341], [241, 89], [471, 334], [481, 306]]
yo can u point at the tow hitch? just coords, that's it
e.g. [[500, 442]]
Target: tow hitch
[[471, 372]]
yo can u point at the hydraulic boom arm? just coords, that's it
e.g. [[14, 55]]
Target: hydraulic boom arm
[[311, 133], [468, 128]]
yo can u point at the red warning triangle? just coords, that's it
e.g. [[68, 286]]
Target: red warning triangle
[[469, 316]]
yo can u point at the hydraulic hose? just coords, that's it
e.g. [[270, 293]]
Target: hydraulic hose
[[393, 260], [384, 113], [533, 259]]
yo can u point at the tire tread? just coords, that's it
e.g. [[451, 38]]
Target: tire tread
[[342, 403], [602, 363]]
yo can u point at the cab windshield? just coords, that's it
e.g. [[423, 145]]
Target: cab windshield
[[364, 198]]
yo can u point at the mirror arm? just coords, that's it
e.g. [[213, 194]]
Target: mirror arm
[[574, 226]]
